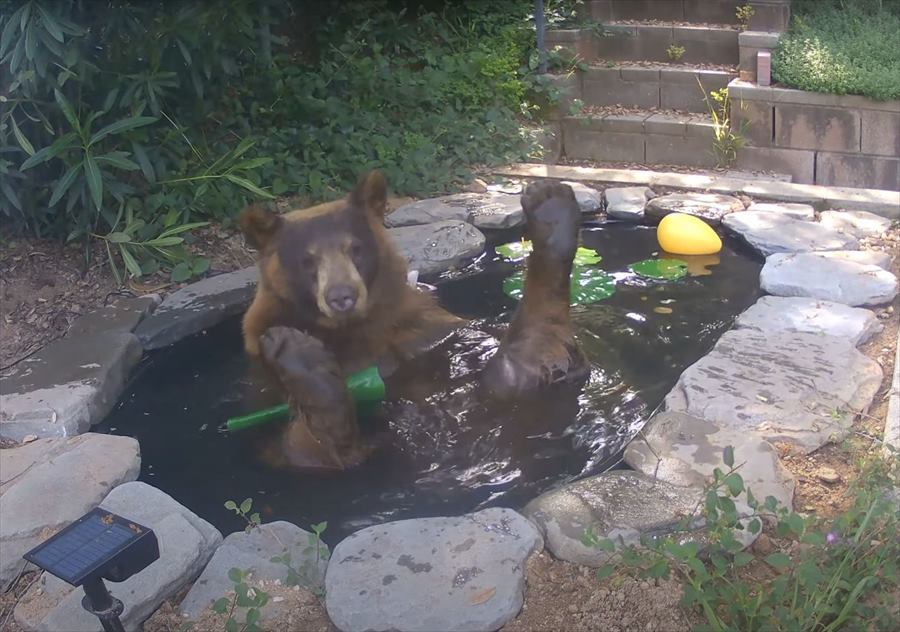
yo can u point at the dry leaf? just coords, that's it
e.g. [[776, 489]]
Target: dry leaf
[[482, 596]]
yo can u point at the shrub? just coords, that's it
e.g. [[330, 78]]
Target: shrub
[[842, 47]]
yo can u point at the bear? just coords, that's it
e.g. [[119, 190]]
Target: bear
[[333, 298]]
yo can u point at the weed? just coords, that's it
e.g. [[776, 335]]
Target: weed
[[744, 13], [243, 510], [675, 52], [299, 576], [726, 140], [252, 599]]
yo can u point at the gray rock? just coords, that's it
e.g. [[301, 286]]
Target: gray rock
[[49, 483], [857, 223], [589, 200], [253, 552], [775, 313], [435, 248], [627, 203], [865, 257], [465, 573], [67, 386], [784, 386], [186, 542], [803, 212], [498, 212], [832, 279], [197, 306], [430, 211], [768, 233], [684, 450], [710, 207], [120, 316]]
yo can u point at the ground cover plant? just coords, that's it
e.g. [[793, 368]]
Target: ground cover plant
[[842, 47], [132, 124]]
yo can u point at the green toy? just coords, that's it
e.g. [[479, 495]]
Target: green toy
[[366, 387]]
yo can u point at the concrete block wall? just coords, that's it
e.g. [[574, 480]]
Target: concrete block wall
[[832, 140]]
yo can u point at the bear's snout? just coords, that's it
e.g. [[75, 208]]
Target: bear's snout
[[341, 298]]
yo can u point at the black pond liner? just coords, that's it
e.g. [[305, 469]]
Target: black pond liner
[[449, 455]]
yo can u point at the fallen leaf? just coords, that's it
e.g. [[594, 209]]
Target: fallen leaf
[[482, 596], [662, 310]]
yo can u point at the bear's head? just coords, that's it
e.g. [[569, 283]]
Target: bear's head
[[324, 261]]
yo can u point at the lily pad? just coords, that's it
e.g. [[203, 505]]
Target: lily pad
[[666, 269], [518, 250], [588, 285]]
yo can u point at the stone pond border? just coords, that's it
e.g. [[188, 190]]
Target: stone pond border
[[207, 302]]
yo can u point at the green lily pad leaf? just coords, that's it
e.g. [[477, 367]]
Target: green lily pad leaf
[[667, 269], [588, 285], [518, 250]]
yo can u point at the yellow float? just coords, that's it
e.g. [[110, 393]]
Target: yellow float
[[682, 234]]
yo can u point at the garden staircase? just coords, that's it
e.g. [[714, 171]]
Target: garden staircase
[[646, 68]]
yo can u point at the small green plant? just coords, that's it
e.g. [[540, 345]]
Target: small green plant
[[744, 13], [726, 140], [243, 510], [298, 576], [675, 52], [250, 599], [839, 575]]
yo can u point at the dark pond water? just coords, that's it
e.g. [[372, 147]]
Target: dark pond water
[[450, 453]]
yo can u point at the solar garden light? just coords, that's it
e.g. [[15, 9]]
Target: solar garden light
[[99, 545]]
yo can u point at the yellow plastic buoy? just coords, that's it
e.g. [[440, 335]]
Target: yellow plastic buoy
[[682, 234]]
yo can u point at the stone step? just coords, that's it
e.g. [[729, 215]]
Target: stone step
[[650, 42], [666, 86], [644, 137], [697, 11]]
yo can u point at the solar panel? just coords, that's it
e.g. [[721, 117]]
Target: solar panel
[[99, 544]]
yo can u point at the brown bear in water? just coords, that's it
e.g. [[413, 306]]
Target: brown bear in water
[[333, 298]]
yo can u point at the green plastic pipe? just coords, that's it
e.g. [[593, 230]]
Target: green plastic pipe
[[366, 387]]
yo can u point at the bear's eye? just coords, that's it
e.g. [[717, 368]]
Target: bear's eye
[[355, 250], [308, 262]]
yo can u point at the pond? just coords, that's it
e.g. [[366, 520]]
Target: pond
[[450, 454]]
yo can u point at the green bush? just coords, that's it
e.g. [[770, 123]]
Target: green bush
[[133, 122], [842, 47]]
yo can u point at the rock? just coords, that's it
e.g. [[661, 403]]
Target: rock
[[498, 211], [429, 211], [828, 475], [589, 200], [710, 207], [120, 316], [684, 450], [784, 386], [465, 573], [774, 313], [477, 185], [186, 542], [768, 233], [627, 203], [198, 306], [253, 552], [865, 257], [435, 248], [857, 223], [68, 386], [828, 278], [803, 212], [49, 483]]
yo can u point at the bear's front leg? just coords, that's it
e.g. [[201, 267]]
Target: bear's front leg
[[323, 432]]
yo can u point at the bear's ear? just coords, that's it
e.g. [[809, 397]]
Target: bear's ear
[[259, 224], [371, 193]]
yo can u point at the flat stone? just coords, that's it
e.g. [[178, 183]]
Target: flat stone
[[464, 573], [435, 248], [186, 543], [68, 386], [803, 212], [768, 233], [430, 211], [253, 551], [828, 278], [810, 315], [627, 203], [797, 387], [857, 223], [589, 200], [684, 450], [865, 257], [710, 207], [49, 483], [198, 306], [122, 315]]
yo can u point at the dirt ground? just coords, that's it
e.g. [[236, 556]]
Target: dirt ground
[[43, 289]]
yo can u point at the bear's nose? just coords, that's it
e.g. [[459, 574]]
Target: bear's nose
[[341, 298]]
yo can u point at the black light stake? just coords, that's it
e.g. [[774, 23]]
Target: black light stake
[[99, 545]]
